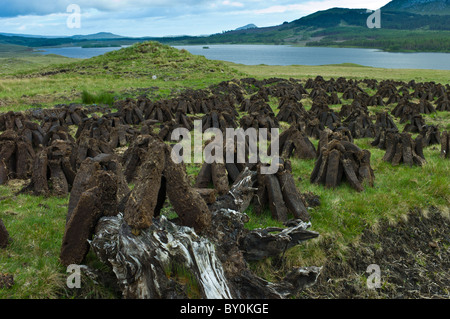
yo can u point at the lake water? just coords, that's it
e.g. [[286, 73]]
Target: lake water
[[78, 52], [289, 55]]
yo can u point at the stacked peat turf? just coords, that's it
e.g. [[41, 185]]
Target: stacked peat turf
[[221, 173], [431, 135], [107, 129], [279, 193], [443, 103], [290, 110], [360, 124], [341, 160], [401, 148], [53, 170], [445, 144], [415, 125], [219, 119], [16, 156], [293, 142], [12, 121], [97, 190]]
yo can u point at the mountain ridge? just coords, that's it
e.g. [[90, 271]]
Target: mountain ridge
[[427, 7]]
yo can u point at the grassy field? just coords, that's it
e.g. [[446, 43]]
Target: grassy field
[[36, 224]]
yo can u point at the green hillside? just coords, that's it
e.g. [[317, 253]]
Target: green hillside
[[440, 7]]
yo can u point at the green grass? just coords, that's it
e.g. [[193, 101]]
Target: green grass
[[36, 224]]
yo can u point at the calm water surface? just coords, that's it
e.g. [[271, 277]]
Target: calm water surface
[[289, 55]]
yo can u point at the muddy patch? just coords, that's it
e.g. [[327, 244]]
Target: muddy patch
[[413, 258]]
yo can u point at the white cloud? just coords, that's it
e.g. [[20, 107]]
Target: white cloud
[[233, 4]]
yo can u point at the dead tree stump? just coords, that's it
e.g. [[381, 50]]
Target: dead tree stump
[[147, 265]]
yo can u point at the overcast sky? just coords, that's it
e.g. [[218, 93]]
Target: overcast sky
[[158, 17]]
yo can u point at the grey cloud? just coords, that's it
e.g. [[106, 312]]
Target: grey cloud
[[13, 8]]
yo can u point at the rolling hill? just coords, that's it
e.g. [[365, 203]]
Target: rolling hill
[[407, 26], [439, 7]]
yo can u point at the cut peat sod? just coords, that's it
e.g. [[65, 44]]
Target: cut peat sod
[[341, 160]]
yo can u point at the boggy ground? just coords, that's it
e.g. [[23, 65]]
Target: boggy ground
[[413, 256]]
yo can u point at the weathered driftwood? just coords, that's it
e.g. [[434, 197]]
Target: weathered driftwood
[[155, 262], [274, 241]]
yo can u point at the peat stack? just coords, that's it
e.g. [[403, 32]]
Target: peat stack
[[258, 120], [72, 114], [351, 92], [431, 135], [443, 103], [380, 139], [12, 121], [445, 144], [159, 111], [219, 119], [4, 235], [221, 174], [290, 110], [424, 107], [107, 129], [340, 160], [394, 98], [16, 157], [33, 133], [255, 104], [157, 178], [384, 121], [96, 193], [53, 171], [347, 109], [183, 120], [129, 110], [56, 132], [375, 100], [401, 148], [279, 193], [134, 156], [293, 142], [386, 89], [291, 113], [360, 125], [415, 125], [89, 147]]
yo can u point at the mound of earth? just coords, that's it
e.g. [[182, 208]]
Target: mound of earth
[[413, 256]]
